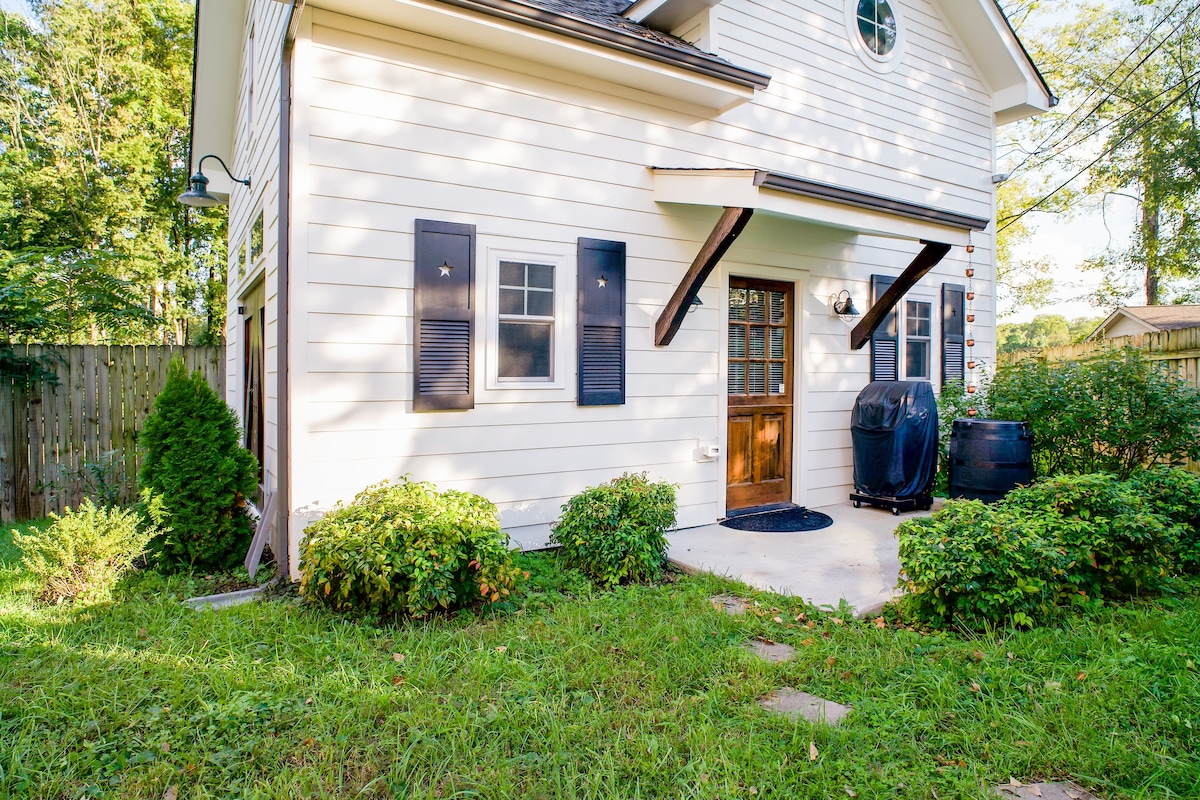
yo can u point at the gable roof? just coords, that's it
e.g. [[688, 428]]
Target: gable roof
[[1153, 318]]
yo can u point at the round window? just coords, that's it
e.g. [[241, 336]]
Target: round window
[[877, 26]]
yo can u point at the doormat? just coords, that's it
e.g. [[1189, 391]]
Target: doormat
[[789, 520]]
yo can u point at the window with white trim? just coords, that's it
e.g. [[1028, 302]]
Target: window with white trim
[[918, 339], [877, 32], [526, 320]]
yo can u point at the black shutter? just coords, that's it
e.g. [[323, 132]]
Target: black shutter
[[885, 342], [954, 329], [443, 316], [601, 333]]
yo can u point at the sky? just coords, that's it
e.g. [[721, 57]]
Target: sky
[[1068, 244], [15, 5]]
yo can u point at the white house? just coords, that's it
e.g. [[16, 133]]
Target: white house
[[476, 232]]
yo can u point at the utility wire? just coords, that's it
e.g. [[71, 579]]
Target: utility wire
[[1046, 141], [1184, 81], [1009, 220]]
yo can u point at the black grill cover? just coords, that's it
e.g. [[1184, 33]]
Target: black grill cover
[[894, 427]]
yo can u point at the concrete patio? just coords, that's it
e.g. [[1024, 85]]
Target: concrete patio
[[855, 559]]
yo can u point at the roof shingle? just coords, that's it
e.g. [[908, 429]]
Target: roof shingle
[[1166, 318]]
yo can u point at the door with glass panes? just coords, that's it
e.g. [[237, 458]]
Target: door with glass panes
[[759, 447]]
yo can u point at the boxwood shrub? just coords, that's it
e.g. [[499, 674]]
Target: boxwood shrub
[[1065, 541], [406, 548], [616, 532]]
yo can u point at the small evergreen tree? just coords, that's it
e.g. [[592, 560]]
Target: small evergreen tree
[[195, 462]]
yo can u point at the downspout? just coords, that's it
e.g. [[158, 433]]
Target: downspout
[[283, 443]]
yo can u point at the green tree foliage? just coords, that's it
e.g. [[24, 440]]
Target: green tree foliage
[[194, 461], [1128, 125], [94, 100], [1044, 330], [1116, 412]]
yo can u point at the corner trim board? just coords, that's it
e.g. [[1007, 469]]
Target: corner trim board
[[927, 259], [732, 222]]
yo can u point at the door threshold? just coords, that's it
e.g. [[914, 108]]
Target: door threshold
[[764, 509]]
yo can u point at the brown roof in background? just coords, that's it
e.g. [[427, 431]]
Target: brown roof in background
[[1166, 318]]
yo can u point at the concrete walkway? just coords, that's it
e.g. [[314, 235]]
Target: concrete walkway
[[855, 559]]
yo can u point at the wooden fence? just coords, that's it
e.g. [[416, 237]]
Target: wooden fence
[[61, 441], [1179, 350]]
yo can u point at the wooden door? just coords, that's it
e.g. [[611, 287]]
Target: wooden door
[[760, 394]]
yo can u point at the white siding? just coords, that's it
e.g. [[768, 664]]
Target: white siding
[[1124, 326], [256, 154], [392, 126]]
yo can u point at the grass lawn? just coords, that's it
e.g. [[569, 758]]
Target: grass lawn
[[640, 692]]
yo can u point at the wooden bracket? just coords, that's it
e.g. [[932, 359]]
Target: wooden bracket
[[926, 260], [732, 222]]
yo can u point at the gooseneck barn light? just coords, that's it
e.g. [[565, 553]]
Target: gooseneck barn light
[[198, 195], [841, 306]]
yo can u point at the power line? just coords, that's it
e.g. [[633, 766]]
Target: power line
[[1046, 141], [1184, 81], [1013, 218]]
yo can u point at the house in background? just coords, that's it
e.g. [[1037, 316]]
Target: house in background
[[518, 247], [1132, 320]]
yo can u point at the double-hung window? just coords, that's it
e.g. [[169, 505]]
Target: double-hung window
[[525, 340], [918, 339], [902, 345]]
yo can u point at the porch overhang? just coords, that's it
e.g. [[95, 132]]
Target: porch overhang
[[742, 192], [812, 201]]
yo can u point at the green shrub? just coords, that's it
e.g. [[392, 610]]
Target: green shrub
[[616, 532], [1116, 412], [1116, 543], [406, 548], [1175, 493], [974, 564], [194, 461], [1063, 541], [83, 554]]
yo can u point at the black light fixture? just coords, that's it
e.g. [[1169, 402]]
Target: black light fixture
[[696, 303], [198, 195], [842, 306]]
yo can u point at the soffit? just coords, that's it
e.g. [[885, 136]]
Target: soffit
[[218, 64], [1018, 89], [574, 43]]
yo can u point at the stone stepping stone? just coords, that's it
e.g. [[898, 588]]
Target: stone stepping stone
[[771, 652], [730, 604], [1046, 791], [795, 704]]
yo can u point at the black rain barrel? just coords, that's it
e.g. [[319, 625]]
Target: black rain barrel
[[989, 458]]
